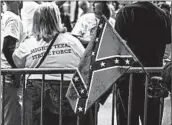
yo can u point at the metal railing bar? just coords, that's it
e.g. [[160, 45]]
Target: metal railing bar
[[37, 71], [130, 99], [3, 94], [171, 102], [161, 110], [146, 101], [113, 102], [42, 100], [95, 113], [23, 100], [69, 70], [61, 99], [171, 90], [78, 120], [148, 69]]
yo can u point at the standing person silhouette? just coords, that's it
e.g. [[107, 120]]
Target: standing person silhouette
[[11, 35], [147, 31]]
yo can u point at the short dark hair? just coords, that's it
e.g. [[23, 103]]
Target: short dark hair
[[106, 9]]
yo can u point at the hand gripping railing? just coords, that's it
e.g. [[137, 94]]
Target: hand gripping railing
[[44, 71]]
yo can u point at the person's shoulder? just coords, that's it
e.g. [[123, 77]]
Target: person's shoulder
[[124, 9], [30, 40], [135, 5], [88, 18], [10, 16], [88, 15], [68, 37]]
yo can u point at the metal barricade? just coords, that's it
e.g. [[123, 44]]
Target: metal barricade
[[35, 71], [131, 71], [71, 71]]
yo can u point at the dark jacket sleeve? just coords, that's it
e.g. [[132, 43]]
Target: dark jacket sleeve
[[8, 49], [167, 74]]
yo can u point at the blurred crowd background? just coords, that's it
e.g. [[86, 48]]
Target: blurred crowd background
[[74, 9], [71, 11]]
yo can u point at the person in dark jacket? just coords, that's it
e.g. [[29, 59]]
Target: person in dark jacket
[[147, 31]]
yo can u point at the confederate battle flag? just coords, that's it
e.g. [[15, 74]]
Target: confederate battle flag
[[106, 58]]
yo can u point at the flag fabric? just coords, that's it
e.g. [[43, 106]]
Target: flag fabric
[[105, 59]]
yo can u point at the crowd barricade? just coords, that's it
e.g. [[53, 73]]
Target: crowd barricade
[[45, 71]]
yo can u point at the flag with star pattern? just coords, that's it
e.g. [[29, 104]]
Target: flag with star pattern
[[104, 61]]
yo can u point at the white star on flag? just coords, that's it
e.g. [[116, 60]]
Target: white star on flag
[[80, 109], [102, 64], [97, 39], [101, 25], [127, 61], [82, 91], [116, 61], [76, 79], [93, 53]]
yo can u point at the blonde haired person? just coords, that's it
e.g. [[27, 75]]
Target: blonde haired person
[[64, 53]]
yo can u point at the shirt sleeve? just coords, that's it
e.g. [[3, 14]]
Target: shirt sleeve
[[78, 28], [20, 54], [12, 29]]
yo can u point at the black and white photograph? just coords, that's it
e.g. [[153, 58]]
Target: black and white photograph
[[86, 62]]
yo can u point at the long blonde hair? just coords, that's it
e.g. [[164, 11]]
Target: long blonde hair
[[47, 22]]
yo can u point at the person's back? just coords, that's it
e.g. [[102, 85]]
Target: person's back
[[146, 31], [65, 53]]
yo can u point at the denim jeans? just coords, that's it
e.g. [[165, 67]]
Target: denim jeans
[[12, 108], [51, 105]]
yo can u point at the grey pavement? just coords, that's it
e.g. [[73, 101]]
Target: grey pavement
[[105, 117]]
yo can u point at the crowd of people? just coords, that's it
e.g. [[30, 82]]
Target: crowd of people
[[29, 29]]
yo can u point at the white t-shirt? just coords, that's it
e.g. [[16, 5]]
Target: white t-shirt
[[65, 53], [86, 25], [27, 13], [11, 25]]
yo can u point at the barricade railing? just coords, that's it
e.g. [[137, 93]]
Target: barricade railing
[[131, 71], [45, 71]]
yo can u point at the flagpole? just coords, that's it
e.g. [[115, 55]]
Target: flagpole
[[124, 43]]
